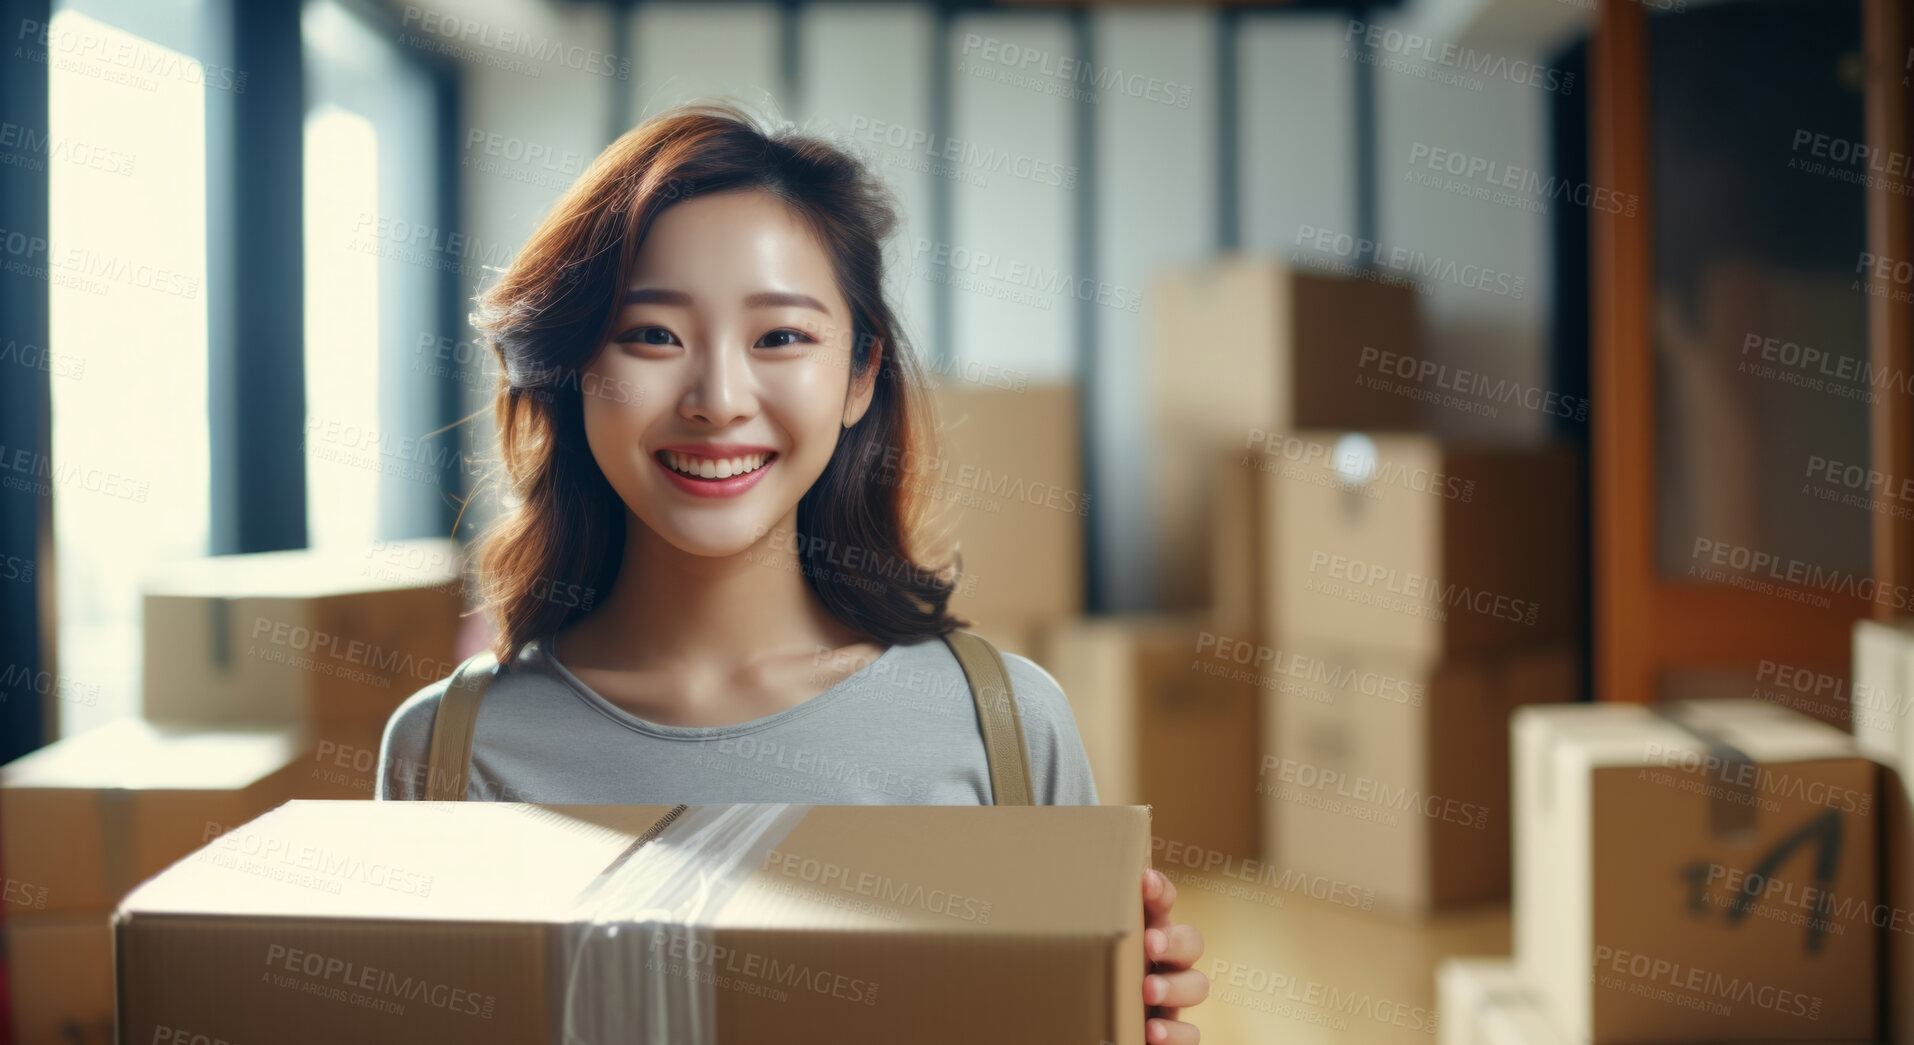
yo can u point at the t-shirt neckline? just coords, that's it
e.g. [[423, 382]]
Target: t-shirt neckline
[[592, 698]]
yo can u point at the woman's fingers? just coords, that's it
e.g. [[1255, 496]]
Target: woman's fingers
[[1159, 895], [1175, 989], [1171, 1032], [1178, 945]]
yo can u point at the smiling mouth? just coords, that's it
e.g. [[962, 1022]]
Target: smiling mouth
[[714, 468]]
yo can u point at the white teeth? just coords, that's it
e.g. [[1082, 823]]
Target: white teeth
[[714, 467]]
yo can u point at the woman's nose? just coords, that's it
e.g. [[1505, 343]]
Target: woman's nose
[[720, 390]]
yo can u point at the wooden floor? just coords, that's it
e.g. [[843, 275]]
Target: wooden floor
[[1311, 972]]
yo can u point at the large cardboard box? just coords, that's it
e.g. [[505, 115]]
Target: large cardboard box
[[1245, 344], [300, 636], [60, 978], [1484, 1001], [1416, 546], [1166, 722], [1701, 871], [1878, 709], [86, 818], [1010, 485], [494, 922], [1393, 773]]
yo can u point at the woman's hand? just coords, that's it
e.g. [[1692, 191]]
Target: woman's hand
[[1170, 983]]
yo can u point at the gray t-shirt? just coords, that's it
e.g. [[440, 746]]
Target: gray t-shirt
[[902, 730]]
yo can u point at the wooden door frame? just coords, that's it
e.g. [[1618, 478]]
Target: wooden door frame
[[1647, 623]]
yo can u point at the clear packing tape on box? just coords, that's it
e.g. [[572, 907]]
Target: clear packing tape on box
[[639, 951]]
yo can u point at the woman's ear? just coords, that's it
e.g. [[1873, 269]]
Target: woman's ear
[[864, 386]]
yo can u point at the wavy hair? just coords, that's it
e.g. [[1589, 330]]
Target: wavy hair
[[560, 545]]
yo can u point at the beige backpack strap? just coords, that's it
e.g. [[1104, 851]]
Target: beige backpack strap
[[450, 762], [997, 713]]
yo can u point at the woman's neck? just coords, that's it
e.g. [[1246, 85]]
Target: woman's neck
[[671, 609]]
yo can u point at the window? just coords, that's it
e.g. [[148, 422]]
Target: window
[[126, 170]]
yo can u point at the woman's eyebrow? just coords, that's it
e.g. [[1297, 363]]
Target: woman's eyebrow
[[773, 298], [657, 296]]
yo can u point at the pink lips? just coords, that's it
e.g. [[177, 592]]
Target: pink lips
[[730, 487]]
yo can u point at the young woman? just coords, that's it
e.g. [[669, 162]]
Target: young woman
[[709, 589]]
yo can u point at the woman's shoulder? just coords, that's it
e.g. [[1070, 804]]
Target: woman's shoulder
[[407, 740]]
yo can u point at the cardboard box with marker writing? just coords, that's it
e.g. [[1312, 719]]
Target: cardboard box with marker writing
[[497, 922], [1697, 871]]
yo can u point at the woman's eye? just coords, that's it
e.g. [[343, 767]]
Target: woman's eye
[[783, 337], [649, 336]]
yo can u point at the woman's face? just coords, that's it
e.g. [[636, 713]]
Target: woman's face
[[730, 354]]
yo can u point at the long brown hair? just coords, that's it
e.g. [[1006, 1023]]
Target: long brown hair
[[556, 552]]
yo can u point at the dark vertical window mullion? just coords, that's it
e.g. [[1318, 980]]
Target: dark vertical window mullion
[[942, 316], [455, 480], [1228, 87], [1366, 133], [256, 293], [1083, 126], [26, 405]]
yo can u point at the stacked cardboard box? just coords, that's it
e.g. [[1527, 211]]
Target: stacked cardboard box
[[332, 641], [1245, 344], [1405, 595], [266, 678], [1692, 872], [1167, 721], [1881, 697], [85, 819], [1010, 482], [496, 922], [1484, 1001]]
